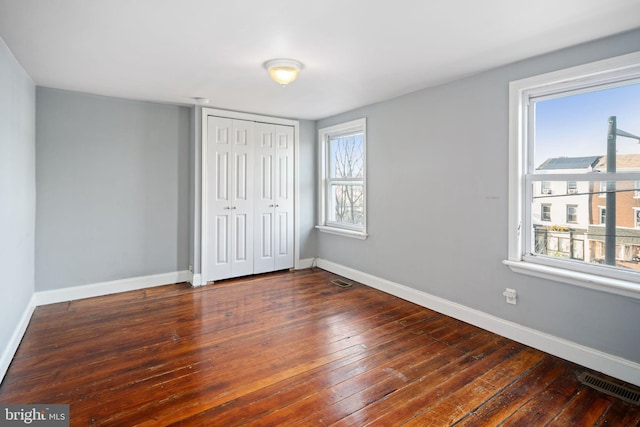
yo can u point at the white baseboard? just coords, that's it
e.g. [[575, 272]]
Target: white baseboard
[[196, 279], [305, 263], [107, 288], [597, 360], [16, 337]]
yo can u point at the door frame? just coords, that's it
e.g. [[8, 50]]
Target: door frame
[[206, 112]]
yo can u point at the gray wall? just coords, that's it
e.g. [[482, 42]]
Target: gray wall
[[437, 177], [113, 188], [17, 192]]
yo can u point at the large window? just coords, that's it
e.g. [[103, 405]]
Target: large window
[[578, 128], [342, 179]]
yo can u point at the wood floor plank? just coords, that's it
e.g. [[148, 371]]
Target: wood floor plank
[[446, 386], [407, 401], [544, 407], [289, 348], [460, 402], [495, 410], [585, 409], [623, 414], [284, 403]]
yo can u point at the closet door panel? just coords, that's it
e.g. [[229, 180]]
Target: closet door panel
[[242, 204], [264, 201], [219, 190], [284, 203]]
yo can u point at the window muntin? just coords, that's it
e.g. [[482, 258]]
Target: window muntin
[[529, 151], [343, 179]]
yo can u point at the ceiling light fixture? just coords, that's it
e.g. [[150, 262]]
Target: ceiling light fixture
[[283, 71]]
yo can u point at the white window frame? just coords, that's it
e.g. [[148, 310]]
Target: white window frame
[[604, 73], [324, 134]]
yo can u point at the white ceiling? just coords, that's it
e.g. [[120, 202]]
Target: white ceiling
[[355, 52]]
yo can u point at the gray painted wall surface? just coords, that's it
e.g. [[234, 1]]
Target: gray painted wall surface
[[437, 202], [17, 192], [113, 189]]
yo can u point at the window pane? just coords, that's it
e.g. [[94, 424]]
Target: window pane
[[573, 226], [346, 156], [576, 126], [346, 204]]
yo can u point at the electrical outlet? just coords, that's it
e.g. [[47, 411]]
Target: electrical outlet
[[510, 295], [191, 268]]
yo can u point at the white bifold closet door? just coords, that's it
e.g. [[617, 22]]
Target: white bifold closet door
[[230, 198], [273, 226], [249, 198]]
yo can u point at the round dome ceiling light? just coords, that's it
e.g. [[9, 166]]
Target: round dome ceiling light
[[283, 71]]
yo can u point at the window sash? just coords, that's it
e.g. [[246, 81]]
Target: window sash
[[356, 212]]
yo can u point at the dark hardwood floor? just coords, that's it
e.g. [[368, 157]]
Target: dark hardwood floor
[[290, 349]]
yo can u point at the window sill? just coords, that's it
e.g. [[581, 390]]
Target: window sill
[[585, 280], [342, 232]]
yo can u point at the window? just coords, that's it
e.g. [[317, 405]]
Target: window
[[572, 213], [577, 127], [343, 179]]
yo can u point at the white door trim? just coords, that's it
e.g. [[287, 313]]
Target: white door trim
[[203, 188]]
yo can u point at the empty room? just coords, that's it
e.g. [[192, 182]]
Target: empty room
[[340, 213]]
